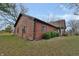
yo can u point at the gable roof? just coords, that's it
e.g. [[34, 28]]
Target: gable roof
[[59, 23], [35, 19]]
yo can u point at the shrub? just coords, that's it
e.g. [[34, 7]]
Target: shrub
[[54, 34], [76, 34], [57, 34], [49, 35]]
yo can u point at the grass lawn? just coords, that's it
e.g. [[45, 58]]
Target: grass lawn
[[12, 45]]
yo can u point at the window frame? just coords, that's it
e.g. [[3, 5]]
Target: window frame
[[18, 30], [24, 29], [43, 28]]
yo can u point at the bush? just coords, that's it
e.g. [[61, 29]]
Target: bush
[[76, 34], [54, 34], [49, 35]]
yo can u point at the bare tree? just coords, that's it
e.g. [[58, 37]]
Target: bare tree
[[9, 11], [72, 6], [74, 26], [23, 9]]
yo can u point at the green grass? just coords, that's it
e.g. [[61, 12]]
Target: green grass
[[12, 45]]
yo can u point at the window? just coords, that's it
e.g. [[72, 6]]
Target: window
[[43, 29], [23, 29], [17, 30]]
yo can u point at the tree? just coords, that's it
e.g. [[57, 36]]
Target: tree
[[9, 12], [8, 29], [73, 6], [74, 26]]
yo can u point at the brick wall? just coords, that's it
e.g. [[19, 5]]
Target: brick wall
[[29, 27], [38, 27], [33, 29]]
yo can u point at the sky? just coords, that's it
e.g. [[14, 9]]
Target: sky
[[45, 11], [49, 11]]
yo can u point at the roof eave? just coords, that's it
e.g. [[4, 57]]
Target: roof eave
[[17, 20]]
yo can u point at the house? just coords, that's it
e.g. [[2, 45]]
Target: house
[[32, 28], [61, 24]]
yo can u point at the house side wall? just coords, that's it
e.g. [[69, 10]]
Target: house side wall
[[29, 28], [38, 27], [61, 24]]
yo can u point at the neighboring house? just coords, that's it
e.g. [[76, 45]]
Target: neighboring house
[[32, 28], [61, 24]]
